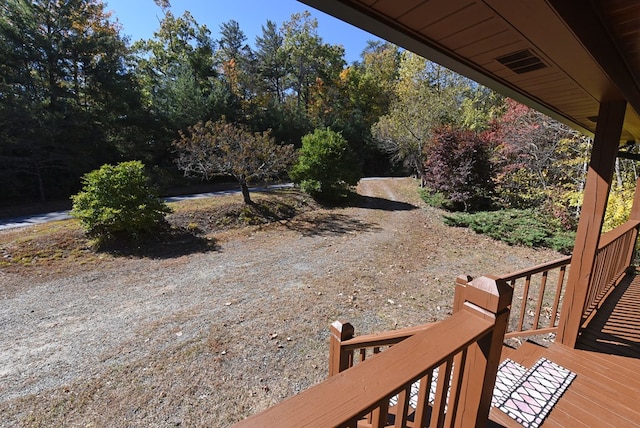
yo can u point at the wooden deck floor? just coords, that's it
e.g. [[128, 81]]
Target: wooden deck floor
[[606, 390]]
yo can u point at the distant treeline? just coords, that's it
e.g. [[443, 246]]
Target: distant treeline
[[76, 94]]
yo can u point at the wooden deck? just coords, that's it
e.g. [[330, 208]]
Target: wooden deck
[[604, 393], [606, 390]]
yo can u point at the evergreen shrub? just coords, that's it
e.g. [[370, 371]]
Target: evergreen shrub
[[118, 202], [327, 166], [516, 227]]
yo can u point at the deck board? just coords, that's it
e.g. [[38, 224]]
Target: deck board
[[609, 392], [527, 354], [606, 390]]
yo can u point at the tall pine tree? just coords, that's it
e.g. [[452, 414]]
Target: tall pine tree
[[64, 84]]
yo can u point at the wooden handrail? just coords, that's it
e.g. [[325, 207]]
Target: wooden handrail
[[345, 397], [385, 338], [343, 346], [613, 257], [543, 267], [463, 351], [608, 237], [533, 297]]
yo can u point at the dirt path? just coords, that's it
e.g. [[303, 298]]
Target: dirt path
[[207, 339]]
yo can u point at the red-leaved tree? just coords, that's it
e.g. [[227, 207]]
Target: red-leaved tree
[[534, 156], [459, 165]]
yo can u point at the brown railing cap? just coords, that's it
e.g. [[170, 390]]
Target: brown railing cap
[[489, 293], [342, 329]]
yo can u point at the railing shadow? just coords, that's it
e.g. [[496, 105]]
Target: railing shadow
[[615, 328]]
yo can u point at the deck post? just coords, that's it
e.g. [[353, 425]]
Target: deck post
[[596, 193], [458, 297], [339, 360], [489, 298], [634, 215]]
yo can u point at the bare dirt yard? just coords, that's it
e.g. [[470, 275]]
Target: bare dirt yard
[[209, 337]]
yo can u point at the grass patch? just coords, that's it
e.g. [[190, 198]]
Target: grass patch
[[63, 246], [44, 245], [516, 227]]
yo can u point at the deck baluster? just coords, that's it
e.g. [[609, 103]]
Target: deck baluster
[[465, 347]]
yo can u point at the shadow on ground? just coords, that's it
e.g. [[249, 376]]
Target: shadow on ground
[[330, 224], [166, 245], [375, 203]]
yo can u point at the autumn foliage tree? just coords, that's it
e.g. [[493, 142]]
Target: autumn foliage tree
[[426, 97], [536, 156], [221, 148], [459, 166]]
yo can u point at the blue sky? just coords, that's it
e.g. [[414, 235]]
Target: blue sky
[[140, 18]]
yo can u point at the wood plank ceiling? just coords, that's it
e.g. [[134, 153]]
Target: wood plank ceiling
[[562, 57]]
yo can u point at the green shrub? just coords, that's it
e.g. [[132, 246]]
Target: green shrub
[[327, 166], [562, 241], [118, 202], [516, 227], [434, 199]]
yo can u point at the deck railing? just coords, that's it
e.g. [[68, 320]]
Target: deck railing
[[538, 290], [442, 374], [536, 298], [464, 351], [614, 255], [345, 350]]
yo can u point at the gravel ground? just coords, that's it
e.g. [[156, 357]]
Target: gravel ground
[[209, 338]]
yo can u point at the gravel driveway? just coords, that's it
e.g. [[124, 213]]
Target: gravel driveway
[[210, 338]]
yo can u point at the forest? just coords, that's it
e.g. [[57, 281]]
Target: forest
[[76, 94]]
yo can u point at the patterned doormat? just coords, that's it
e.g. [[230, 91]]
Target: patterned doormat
[[525, 395], [530, 399], [507, 379]]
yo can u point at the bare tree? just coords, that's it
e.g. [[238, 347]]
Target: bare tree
[[215, 148]]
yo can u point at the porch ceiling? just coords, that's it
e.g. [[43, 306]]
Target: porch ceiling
[[562, 57]]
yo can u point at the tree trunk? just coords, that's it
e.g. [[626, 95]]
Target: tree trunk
[[38, 171], [245, 192], [422, 174], [618, 174]]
